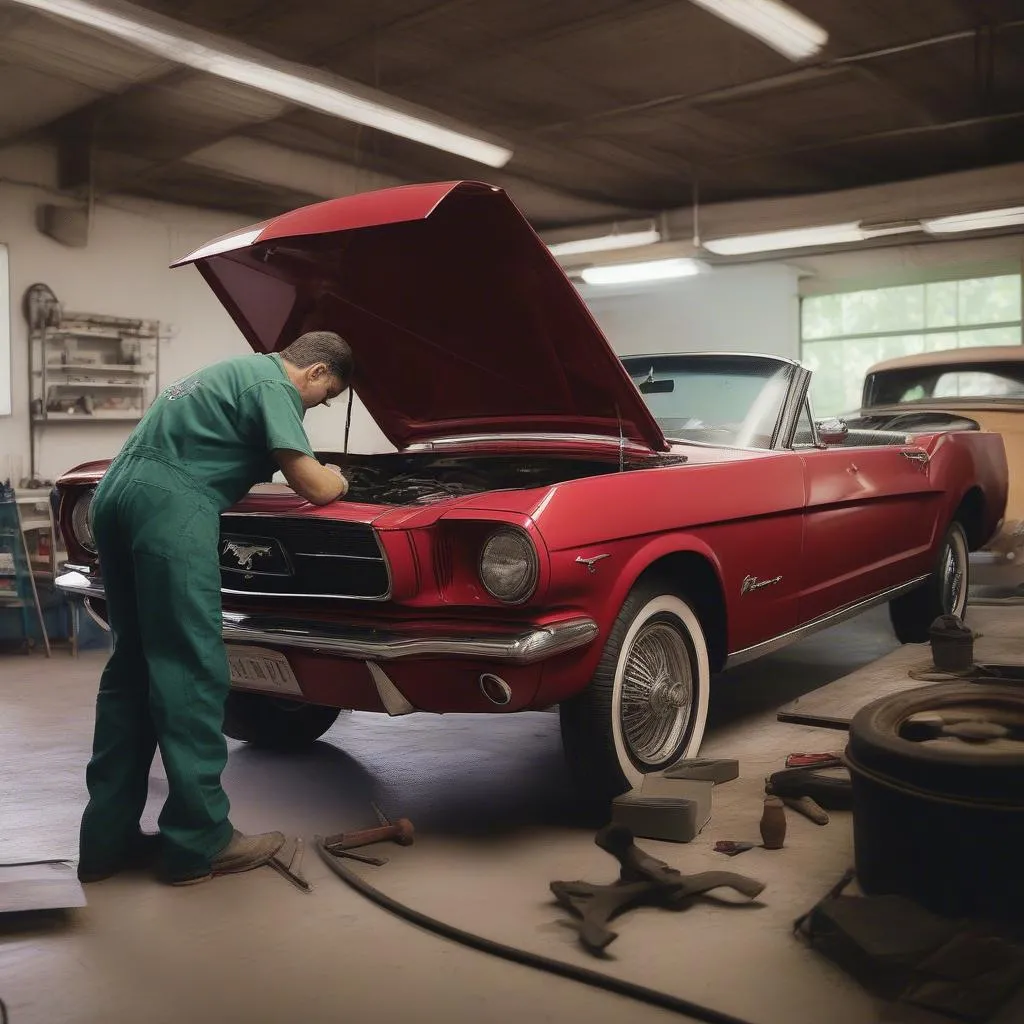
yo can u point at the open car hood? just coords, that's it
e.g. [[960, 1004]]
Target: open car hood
[[460, 320]]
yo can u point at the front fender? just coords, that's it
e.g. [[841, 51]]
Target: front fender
[[602, 588]]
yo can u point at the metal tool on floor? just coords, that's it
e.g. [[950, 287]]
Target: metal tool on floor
[[808, 807], [732, 847], [401, 832], [363, 858], [813, 760], [818, 781], [293, 869], [643, 880]]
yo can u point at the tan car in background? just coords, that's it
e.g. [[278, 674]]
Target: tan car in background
[[965, 389]]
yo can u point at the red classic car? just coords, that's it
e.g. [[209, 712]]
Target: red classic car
[[557, 527]]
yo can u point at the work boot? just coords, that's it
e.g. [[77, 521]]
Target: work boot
[[243, 853], [142, 853]]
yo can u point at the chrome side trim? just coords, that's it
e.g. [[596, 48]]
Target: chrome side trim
[[522, 648], [824, 622], [394, 701]]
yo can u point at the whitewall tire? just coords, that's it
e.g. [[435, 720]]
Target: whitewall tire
[[647, 704]]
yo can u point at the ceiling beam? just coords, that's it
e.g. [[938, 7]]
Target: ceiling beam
[[890, 133], [763, 86]]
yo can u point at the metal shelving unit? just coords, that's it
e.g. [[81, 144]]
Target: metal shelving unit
[[86, 368], [17, 576]]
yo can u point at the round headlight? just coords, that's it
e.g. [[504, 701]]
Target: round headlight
[[508, 566], [80, 525]]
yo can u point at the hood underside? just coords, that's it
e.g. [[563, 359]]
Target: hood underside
[[460, 320]]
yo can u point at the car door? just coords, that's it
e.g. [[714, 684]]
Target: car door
[[869, 521]]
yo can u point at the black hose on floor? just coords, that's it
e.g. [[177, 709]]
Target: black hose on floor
[[521, 956]]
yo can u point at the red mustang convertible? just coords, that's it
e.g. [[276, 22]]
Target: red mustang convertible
[[557, 527]]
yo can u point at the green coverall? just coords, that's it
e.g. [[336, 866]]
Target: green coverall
[[156, 520]]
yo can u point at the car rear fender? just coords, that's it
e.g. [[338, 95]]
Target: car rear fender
[[971, 468]]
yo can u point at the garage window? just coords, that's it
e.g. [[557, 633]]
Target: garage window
[[844, 334]]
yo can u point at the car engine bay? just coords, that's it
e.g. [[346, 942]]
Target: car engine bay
[[426, 480]]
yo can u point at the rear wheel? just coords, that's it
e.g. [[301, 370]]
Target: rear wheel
[[647, 704], [275, 723], [945, 593]]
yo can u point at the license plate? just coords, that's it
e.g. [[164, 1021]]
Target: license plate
[[255, 668]]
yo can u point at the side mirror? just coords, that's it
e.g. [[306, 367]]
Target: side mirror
[[832, 431]]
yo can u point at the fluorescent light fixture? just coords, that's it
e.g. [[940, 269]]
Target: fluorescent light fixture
[[631, 273], [985, 220], [300, 85], [803, 238], [625, 240], [774, 23]]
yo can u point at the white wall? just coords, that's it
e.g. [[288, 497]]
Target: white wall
[[754, 308], [123, 271]]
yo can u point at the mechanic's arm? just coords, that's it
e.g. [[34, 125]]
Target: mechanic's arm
[[317, 483]]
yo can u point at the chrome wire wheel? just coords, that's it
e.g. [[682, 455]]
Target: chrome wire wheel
[[953, 574], [646, 704], [655, 705]]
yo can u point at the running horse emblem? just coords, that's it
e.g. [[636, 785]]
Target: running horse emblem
[[245, 553]]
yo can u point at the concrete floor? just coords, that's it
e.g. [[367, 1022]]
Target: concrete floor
[[494, 814]]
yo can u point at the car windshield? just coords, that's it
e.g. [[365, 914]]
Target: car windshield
[[735, 401], [985, 381]]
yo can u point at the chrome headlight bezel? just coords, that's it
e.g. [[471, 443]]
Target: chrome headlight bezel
[[526, 587], [81, 525]]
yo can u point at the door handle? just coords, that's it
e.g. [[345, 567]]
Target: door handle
[[917, 456]]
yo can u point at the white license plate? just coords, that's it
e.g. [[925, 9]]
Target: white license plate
[[255, 668]]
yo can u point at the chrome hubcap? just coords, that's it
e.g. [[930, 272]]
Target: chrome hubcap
[[656, 701]]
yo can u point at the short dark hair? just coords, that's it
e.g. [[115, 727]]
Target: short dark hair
[[321, 347]]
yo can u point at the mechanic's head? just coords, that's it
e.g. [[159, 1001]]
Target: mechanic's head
[[320, 366]]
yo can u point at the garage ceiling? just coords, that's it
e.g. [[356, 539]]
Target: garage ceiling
[[614, 108]]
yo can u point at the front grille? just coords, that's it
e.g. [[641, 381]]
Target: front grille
[[443, 562], [301, 557]]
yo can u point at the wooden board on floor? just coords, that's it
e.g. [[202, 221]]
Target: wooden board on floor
[[47, 886], [1001, 642]]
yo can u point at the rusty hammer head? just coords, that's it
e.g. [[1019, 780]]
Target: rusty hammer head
[[404, 832]]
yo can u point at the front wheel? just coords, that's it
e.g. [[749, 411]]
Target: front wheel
[[275, 723], [945, 593], [647, 704]]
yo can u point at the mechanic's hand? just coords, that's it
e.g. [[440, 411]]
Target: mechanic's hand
[[344, 480]]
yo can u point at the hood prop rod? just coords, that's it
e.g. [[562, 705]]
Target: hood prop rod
[[348, 418]]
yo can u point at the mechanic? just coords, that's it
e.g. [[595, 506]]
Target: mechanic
[[200, 447]]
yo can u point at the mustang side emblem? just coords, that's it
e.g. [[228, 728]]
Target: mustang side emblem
[[752, 583], [245, 553], [591, 563]]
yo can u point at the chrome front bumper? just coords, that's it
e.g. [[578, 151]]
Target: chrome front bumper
[[520, 647]]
